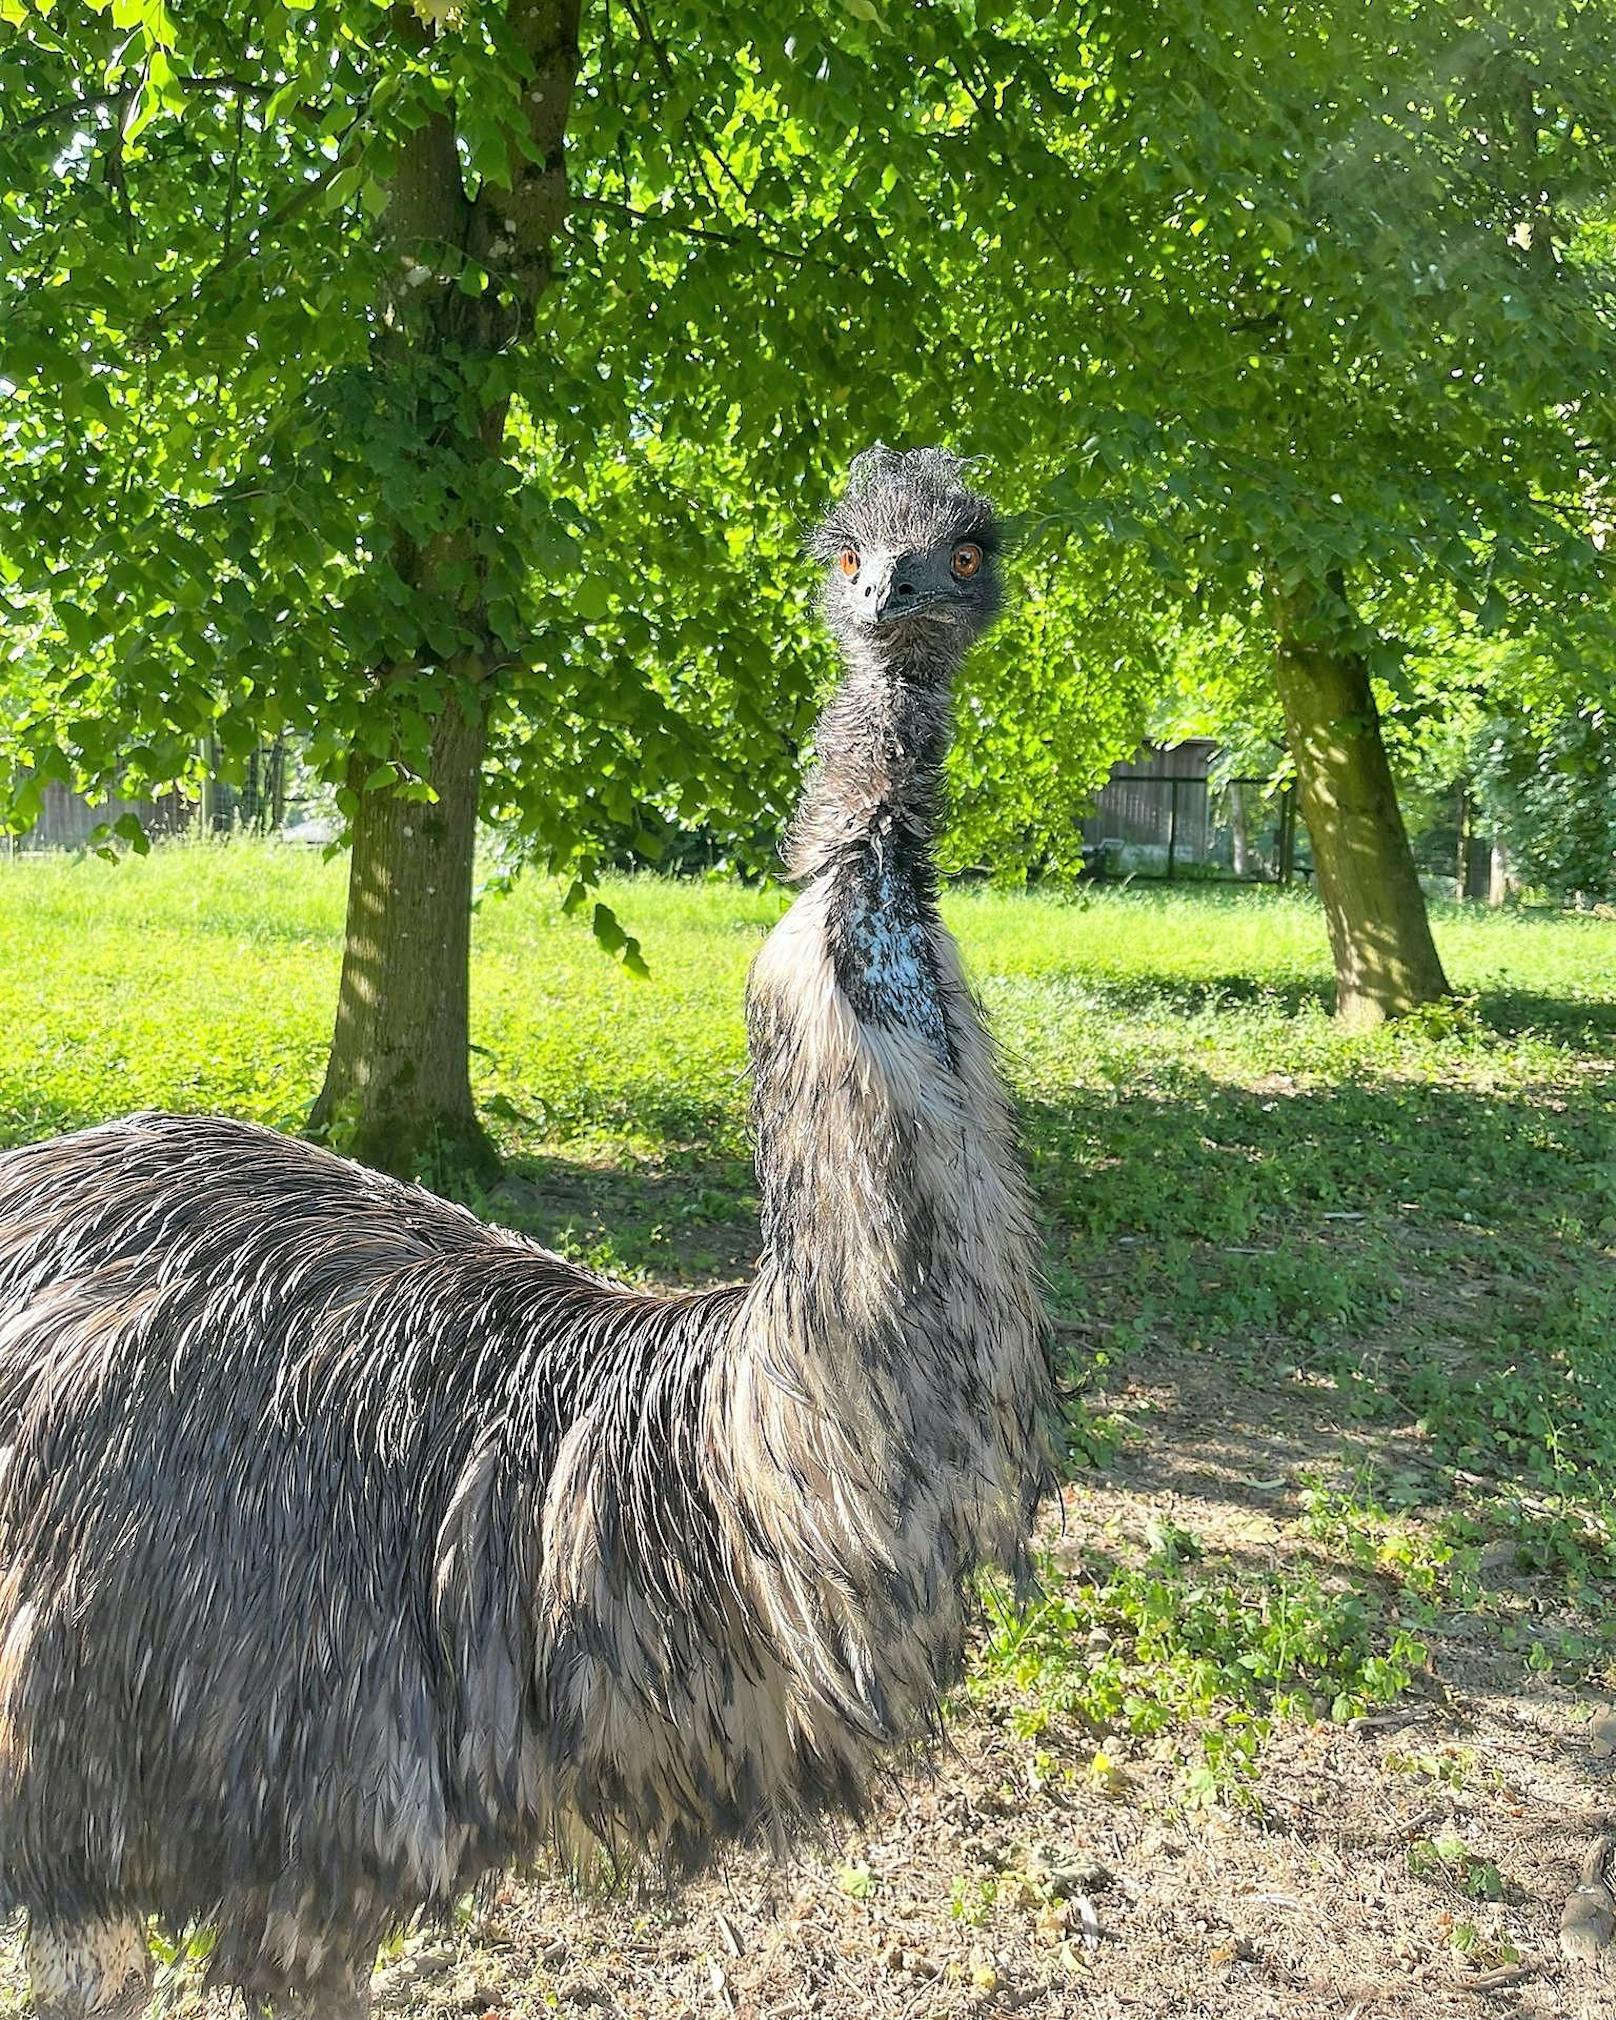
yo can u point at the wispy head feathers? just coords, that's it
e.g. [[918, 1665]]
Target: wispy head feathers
[[905, 499]]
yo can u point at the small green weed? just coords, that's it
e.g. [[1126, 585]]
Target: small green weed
[[1449, 1859], [1179, 1640], [1427, 1559], [972, 1901]]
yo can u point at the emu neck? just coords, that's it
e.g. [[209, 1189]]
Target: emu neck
[[865, 832], [866, 929], [876, 787], [877, 1416]]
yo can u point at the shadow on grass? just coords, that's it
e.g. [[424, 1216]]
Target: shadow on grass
[[1431, 1255], [1196, 1158], [1572, 1020], [1193, 995], [1510, 1012], [690, 1225]]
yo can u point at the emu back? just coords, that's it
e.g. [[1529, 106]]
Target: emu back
[[278, 1433]]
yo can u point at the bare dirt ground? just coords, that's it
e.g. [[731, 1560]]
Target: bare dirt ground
[[1010, 1877]]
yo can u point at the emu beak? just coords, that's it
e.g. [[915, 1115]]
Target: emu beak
[[895, 590], [878, 592]]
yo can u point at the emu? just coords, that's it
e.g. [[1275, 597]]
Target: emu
[[351, 1550]]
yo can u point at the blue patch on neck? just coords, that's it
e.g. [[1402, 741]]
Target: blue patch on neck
[[881, 944]]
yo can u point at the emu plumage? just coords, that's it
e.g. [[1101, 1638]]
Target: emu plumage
[[351, 1549]]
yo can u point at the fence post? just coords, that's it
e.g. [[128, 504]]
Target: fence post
[[1287, 835]]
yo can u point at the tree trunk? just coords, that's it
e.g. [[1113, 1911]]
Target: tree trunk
[[1461, 861], [397, 1091], [1239, 837], [1287, 836], [1475, 850], [1386, 962], [1498, 875], [277, 786]]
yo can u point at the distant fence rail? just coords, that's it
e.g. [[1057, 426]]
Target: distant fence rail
[[67, 820], [1166, 818]]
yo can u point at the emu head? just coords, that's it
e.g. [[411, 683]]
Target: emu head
[[911, 556]]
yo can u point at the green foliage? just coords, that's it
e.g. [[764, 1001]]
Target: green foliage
[[1546, 786], [1449, 1859], [1309, 289], [1145, 1646]]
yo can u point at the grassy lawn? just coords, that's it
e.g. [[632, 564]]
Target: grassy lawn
[[1338, 1314]]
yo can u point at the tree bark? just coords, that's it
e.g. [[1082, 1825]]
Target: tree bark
[[397, 1090], [1239, 838], [1498, 874], [1386, 962]]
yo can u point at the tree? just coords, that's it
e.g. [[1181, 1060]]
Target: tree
[[261, 330], [469, 208], [1512, 746], [1386, 962], [285, 458], [1546, 792]]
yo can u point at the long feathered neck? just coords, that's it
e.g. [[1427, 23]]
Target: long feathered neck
[[862, 1035], [881, 1414], [881, 743], [771, 1551]]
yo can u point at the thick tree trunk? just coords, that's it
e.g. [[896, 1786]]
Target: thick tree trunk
[[397, 1090], [1386, 962]]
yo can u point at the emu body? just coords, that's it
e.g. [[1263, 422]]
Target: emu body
[[351, 1549]]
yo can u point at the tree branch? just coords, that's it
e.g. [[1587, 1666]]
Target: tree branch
[[234, 191], [638, 13], [104, 101], [674, 224]]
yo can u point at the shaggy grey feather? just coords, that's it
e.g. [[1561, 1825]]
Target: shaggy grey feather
[[351, 1549]]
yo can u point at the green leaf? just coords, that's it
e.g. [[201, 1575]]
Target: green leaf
[[342, 187], [591, 598]]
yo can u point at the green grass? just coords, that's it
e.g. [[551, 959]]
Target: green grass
[[1420, 1223]]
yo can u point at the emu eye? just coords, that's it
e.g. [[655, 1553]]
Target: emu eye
[[847, 561], [965, 560]]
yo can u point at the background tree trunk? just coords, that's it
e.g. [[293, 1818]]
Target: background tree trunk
[[397, 1090], [1461, 861], [1475, 850], [1239, 836], [1498, 874], [1386, 962]]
